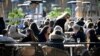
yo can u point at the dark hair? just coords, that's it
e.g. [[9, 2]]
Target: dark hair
[[58, 33], [51, 23], [90, 25], [35, 29], [44, 30], [31, 35], [47, 23], [82, 19], [98, 24], [4, 32]]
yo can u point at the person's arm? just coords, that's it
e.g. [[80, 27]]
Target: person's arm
[[87, 39], [11, 39]]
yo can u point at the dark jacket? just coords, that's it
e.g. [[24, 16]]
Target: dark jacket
[[98, 31], [61, 23], [27, 39], [42, 38], [2, 25], [93, 38], [80, 23], [57, 41], [80, 35]]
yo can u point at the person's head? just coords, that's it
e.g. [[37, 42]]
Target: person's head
[[71, 23], [31, 35], [58, 28], [91, 25], [26, 23], [34, 3], [34, 27], [82, 19], [46, 30], [47, 23], [67, 16], [51, 23], [76, 28], [98, 24], [5, 32]]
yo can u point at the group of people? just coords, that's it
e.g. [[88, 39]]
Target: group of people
[[52, 31]]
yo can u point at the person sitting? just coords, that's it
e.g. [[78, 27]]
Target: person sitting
[[4, 37], [44, 34], [91, 36], [57, 39], [78, 33], [14, 33], [35, 29]]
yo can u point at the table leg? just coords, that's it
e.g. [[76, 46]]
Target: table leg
[[71, 51]]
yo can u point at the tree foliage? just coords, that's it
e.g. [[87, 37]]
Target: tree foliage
[[57, 12], [15, 15]]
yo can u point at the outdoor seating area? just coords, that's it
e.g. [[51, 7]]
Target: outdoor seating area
[[49, 28]]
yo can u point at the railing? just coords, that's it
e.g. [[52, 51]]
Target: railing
[[13, 49]]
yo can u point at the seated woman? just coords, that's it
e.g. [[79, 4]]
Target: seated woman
[[35, 29], [57, 38], [44, 34]]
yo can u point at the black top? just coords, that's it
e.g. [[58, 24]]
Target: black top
[[35, 29], [27, 39], [81, 23], [98, 31], [58, 43], [93, 37], [61, 23], [42, 38], [80, 35], [2, 25]]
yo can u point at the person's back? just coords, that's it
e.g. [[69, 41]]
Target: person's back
[[61, 23], [57, 40]]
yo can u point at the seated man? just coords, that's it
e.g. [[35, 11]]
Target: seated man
[[79, 34]]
